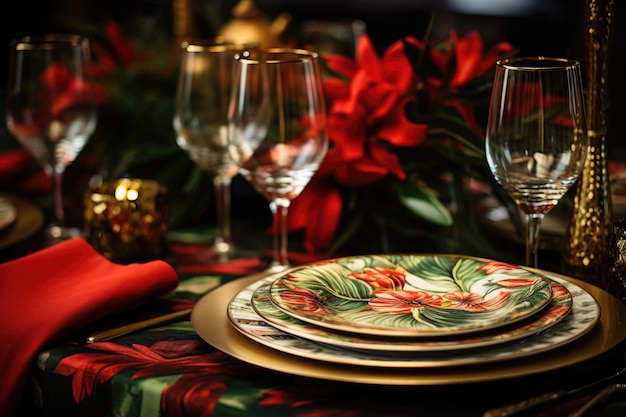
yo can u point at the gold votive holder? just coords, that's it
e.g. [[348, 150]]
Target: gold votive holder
[[126, 220]]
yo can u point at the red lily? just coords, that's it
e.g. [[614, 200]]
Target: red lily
[[302, 299], [493, 267], [468, 301], [467, 52], [163, 358], [403, 302], [470, 63], [367, 121], [20, 171], [68, 90], [380, 278], [366, 116], [120, 53]]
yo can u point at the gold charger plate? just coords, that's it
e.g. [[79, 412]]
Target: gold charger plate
[[29, 220], [209, 320], [7, 212]]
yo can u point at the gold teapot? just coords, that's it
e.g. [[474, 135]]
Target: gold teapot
[[250, 26]]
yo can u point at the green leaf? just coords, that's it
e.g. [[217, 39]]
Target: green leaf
[[423, 203]]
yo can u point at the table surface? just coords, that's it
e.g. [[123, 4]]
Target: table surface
[[170, 370]]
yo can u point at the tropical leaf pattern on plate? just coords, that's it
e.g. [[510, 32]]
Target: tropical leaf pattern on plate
[[583, 317], [559, 308], [410, 295]]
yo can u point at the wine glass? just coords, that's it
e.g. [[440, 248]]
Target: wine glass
[[51, 109], [536, 140], [278, 130], [200, 122]]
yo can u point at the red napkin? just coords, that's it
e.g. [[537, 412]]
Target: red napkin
[[53, 292]]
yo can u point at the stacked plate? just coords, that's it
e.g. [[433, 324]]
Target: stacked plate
[[412, 311], [7, 213]]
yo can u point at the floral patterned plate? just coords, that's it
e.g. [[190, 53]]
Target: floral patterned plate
[[581, 320], [410, 295], [560, 306], [7, 213]]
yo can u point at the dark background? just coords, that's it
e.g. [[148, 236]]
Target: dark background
[[534, 27]]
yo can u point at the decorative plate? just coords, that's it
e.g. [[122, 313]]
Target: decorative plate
[[559, 307], [583, 317], [601, 334], [410, 295], [7, 213], [29, 219]]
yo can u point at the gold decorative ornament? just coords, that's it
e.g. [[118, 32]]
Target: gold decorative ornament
[[250, 26], [587, 253]]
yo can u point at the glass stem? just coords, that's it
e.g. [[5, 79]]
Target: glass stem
[[280, 208], [221, 184], [533, 225], [56, 183]]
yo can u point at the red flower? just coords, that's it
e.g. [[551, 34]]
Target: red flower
[[368, 113], [382, 278], [372, 105], [493, 267], [533, 99], [20, 171], [302, 299], [467, 54], [403, 302], [68, 89], [119, 52], [317, 210], [205, 373], [517, 282], [64, 90], [474, 302], [559, 292], [366, 120]]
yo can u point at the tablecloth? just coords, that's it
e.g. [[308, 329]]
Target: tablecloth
[[170, 371]]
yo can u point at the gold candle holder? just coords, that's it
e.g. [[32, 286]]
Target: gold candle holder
[[126, 220], [588, 248]]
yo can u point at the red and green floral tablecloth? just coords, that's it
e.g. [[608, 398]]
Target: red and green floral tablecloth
[[170, 371]]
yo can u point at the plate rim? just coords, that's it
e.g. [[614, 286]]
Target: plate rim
[[402, 332], [220, 333]]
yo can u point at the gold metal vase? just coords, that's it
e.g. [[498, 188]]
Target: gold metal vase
[[588, 251]]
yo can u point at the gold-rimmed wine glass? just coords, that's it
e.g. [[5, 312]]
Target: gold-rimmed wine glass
[[536, 140], [51, 109], [278, 130], [200, 122]]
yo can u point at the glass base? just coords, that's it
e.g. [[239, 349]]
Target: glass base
[[54, 234], [208, 254], [276, 267]]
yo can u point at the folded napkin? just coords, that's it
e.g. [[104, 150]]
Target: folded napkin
[[51, 293]]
